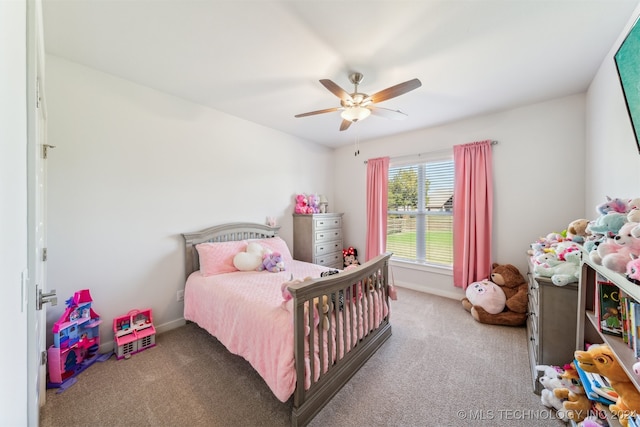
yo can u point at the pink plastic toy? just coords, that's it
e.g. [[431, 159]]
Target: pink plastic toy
[[133, 333], [76, 340]]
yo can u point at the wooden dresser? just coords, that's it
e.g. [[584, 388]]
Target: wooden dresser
[[551, 324], [317, 238]]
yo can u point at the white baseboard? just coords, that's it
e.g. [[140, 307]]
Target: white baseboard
[[107, 347], [452, 293], [165, 327]]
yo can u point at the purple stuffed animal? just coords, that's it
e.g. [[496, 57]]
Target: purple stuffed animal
[[272, 262], [612, 205]]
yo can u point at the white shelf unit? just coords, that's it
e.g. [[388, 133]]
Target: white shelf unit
[[587, 322]]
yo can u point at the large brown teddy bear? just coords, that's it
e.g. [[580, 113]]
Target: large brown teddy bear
[[514, 285]]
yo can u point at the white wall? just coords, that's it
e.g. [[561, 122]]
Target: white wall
[[538, 170], [13, 212], [134, 168], [612, 159]]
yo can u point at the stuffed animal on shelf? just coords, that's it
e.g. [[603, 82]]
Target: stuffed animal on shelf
[[612, 205], [577, 230], [608, 224], [350, 257], [633, 270], [599, 359], [514, 286], [485, 294], [551, 380], [575, 402], [616, 253], [272, 262]]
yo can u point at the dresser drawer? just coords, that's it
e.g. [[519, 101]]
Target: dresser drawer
[[333, 260], [328, 247], [532, 332], [328, 235], [324, 223]]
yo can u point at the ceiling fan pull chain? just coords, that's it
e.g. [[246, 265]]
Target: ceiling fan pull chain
[[357, 142]]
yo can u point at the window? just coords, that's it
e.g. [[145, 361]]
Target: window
[[420, 211]]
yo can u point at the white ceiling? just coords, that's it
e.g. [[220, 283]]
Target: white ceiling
[[261, 60]]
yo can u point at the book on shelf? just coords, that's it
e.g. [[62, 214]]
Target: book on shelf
[[592, 387], [634, 330], [633, 421], [624, 315], [608, 304]]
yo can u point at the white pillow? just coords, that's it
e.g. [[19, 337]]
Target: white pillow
[[247, 261]]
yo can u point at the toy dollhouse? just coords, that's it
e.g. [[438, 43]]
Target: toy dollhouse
[[133, 333], [76, 340]]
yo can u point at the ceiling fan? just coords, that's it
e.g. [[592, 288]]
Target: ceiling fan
[[358, 106]]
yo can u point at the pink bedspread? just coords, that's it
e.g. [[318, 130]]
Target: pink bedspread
[[244, 311]]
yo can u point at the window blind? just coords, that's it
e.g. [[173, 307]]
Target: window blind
[[420, 211]]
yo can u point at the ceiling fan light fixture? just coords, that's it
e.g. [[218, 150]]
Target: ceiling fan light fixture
[[354, 114]]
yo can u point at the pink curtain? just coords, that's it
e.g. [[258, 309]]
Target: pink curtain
[[377, 196], [472, 212]]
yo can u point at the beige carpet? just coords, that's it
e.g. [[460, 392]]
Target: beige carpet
[[439, 368]]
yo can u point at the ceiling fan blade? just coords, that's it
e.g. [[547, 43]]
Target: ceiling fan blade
[[312, 113], [397, 90], [345, 124], [336, 90], [387, 113]]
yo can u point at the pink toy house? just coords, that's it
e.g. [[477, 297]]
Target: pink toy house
[[133, 333], [76, 339]]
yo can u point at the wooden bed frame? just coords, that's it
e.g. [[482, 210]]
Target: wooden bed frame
[[371, 277]]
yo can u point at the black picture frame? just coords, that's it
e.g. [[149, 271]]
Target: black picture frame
[[627, 60]]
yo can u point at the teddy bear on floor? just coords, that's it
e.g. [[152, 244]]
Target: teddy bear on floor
[[599, 359], [514, 286]]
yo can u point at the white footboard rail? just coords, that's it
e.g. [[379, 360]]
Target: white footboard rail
[[351, 311]]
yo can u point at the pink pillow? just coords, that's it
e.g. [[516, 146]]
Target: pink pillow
[[276, 244], [217, 257]]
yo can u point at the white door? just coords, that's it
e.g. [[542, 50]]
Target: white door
[[37, 213]]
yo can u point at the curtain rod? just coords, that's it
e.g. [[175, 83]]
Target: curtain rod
[[494, 142]]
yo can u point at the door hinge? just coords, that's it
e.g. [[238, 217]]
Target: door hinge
[[45, 150], [44, 254], [43, 357], [38, 93]]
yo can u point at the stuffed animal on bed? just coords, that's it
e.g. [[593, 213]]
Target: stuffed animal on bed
[[514, 286], [272, 262]]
